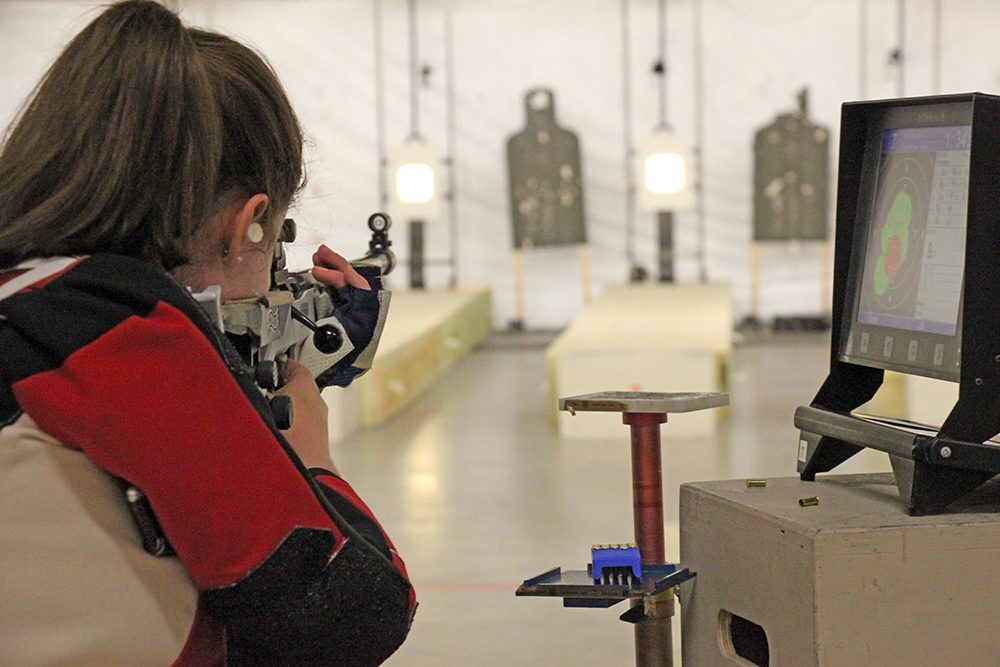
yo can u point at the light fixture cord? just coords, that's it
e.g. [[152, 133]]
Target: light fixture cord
[[862, 49], [900, 48], [449, 64], [414, 74], [936, 71], [627, 127], [383, 194], [699, 137], [662, 43]]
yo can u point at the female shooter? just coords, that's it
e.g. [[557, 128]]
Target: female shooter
[[154, 160]]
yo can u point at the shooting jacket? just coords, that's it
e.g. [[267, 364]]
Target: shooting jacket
[[110, 370]]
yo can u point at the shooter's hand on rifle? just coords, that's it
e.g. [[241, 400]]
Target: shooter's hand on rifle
[[308, 434], [334, 270]]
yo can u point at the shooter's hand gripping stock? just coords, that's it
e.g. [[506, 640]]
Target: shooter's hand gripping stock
[[333, 332]]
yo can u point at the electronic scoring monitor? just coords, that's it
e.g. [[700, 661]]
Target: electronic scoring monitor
[[904, 290], [916, 289]]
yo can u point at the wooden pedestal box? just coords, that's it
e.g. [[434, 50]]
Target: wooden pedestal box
[[850, 581]]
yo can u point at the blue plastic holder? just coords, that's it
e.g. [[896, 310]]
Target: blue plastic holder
[[611, 563]]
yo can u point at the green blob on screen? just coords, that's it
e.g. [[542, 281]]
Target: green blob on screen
[[895, 242]]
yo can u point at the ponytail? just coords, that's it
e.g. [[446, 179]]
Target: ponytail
[[118, 150], [262, 138]]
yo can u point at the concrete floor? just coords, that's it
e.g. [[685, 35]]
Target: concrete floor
[[479, 493]]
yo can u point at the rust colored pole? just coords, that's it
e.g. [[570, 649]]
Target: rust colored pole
[[647, 484], [653, 635], [654, 641]]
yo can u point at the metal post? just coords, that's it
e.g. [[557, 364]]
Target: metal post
[[417, 254], [653, 599], [665, 227], [653, 636]]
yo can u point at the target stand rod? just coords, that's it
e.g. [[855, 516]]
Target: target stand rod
[[651, 585]]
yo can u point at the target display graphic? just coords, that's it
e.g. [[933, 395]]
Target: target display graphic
[[896, 244], [916, 234]]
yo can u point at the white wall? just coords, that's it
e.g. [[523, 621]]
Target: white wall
[[756, 56]]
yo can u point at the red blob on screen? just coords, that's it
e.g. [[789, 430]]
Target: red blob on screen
[[893, 255]]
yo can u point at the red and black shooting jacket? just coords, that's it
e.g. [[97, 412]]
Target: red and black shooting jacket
[[109, 369]]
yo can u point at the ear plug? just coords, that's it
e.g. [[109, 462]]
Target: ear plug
[[255, 233]]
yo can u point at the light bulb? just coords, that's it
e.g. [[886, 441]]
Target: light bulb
[[412, 181], [661, 170], [665, 173], [415, 183]]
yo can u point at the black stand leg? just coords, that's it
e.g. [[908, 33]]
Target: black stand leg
[[934, 487], [822, 454]]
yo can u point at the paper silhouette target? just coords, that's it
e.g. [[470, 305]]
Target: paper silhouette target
[[546, 191], [791, 177]]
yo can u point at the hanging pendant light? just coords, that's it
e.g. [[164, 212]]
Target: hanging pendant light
[[414, 185], [663, 167], [413, 178], [664, 158]]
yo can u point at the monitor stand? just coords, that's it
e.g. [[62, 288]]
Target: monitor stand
[[931, 470], [933, 467]]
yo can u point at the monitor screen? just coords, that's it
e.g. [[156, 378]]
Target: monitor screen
[[909, 249]]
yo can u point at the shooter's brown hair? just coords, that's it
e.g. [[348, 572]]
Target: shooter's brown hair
[[138, 133]]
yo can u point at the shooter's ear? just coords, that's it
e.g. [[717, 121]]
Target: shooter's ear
[[246, 225]]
